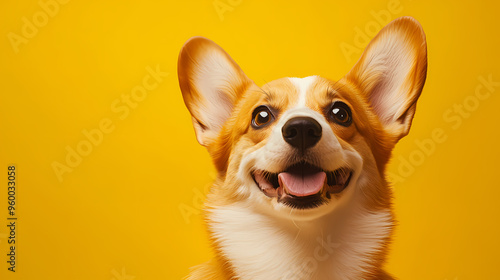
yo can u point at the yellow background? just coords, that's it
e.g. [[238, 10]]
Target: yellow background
[[117, 214]]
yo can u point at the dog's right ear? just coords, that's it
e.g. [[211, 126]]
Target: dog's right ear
[[391, 73], [211, 83]]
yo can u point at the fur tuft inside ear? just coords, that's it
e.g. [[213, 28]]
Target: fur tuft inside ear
[[211, 83], [391, 73]]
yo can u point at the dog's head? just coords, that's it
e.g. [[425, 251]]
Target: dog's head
[[305, 143]]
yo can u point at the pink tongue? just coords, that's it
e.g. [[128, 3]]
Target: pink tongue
[[302, 184]]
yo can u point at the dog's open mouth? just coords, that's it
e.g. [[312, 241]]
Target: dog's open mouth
[[303, 185]]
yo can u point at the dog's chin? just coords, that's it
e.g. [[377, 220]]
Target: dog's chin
[[303, 186]]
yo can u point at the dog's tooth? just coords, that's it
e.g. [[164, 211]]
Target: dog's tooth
[[280, 191], [271, 192]]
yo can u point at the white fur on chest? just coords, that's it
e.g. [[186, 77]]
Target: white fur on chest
[[263, 247]]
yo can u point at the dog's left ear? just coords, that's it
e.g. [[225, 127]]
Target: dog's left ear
[[211, 83], [391, 73]]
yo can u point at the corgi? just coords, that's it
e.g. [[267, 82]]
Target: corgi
[[301, 190]]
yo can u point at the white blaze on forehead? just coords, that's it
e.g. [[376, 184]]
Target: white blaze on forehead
[[302, 85]]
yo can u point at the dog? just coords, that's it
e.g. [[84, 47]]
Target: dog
[[301, 190]]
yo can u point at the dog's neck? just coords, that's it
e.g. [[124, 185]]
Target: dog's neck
[[260, 246]]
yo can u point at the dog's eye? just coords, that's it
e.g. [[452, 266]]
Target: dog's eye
[[341, 113], [261, 116]]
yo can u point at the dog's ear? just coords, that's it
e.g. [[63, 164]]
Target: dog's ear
[[211, 83], [391, 73]]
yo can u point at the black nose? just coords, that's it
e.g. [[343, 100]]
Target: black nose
[[301, 132]]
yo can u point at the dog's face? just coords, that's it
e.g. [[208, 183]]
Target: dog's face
[[299, 147]]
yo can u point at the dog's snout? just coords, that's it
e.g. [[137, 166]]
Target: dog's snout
[[302, 132]]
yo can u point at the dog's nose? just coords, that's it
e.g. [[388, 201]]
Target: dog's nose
[[301, 132]]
